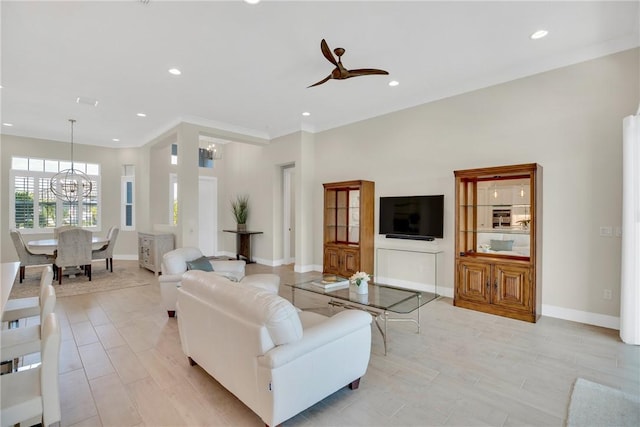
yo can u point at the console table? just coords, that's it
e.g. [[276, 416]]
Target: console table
[[433, 252], [243, 243]]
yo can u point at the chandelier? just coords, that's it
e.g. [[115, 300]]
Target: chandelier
[[71, 184], [213, 152]]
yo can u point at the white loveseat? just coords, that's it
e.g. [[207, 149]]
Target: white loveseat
[[174, 264], [276, 359]]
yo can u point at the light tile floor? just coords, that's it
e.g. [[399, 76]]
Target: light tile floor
[[122, 365]]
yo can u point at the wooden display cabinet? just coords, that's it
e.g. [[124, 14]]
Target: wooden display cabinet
[[348, 227], [499, 240]]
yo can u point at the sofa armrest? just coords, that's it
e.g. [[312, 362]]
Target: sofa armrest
[[170, 278], [335, 327]]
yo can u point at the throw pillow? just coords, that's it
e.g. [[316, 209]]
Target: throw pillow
[[501, 245], [201, 263]]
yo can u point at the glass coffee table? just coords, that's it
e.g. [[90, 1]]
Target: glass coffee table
[[379, 301]]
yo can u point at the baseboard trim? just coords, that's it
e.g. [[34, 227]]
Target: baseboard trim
[[133, 257], [579, 316]]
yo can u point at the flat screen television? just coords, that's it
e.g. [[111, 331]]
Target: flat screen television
[[412, 217]]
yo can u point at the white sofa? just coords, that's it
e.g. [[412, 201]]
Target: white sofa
[[174, 264], [276, 359]]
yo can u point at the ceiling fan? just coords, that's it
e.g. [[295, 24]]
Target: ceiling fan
[[341, 73]]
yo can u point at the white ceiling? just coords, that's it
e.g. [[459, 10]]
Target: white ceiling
[[246, 68]]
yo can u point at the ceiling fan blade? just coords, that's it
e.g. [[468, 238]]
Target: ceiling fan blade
[[324, 47], [366, 72], [320, 82]]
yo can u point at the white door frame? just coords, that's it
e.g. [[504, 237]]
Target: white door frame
[[287, 255]]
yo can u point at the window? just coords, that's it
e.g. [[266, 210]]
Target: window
[[174, 154], [33, 205], [127, 220], [173, 198]]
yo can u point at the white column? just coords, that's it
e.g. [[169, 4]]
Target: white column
[[630, 286]]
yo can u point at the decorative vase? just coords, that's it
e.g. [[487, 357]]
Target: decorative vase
[[362, 288], [362, 298], [242, 227]]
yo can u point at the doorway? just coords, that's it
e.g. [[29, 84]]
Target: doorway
[[288, 214], [208, 215]]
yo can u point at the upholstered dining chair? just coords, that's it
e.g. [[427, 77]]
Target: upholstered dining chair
[[106, 252], [74, 249], [25, 256], [57, 230], [32, 396]]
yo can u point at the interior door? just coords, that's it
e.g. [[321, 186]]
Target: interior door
[[208, 215]]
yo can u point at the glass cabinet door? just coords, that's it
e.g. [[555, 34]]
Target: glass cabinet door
[[342, 212], [495, 216]]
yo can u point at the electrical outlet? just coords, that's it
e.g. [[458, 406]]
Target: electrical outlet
[[606, 294], [606, 231]]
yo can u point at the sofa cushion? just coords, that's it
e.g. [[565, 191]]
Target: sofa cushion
[[201, 263], [268, 281]]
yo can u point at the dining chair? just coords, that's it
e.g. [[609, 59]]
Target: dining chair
[[74, 249], [25, 256], [32, 396], [21, 308], [57, 230], [22, 341], [106, 252]]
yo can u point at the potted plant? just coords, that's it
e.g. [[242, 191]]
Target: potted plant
[[240, 209]]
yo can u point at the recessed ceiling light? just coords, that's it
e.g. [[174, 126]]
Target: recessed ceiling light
[[252, 1], [7, 124], [175, 71], [141, 115], [539, 34], [306, 114], [116, 139], [393, 83], [83, 100]]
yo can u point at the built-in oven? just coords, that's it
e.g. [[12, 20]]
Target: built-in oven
[[501, 218]]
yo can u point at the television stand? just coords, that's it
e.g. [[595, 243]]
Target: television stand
[[409, 237]]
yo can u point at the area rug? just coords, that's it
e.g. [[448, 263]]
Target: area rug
[[594, 404], [126, 274]]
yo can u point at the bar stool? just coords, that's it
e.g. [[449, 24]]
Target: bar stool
[[21, 308], [32, 396], [21, 341]]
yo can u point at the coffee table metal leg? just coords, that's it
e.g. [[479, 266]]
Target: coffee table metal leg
[[386, 318], [383, 328]]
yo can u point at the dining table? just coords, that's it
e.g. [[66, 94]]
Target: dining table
[[48, 246], [8, 272]]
